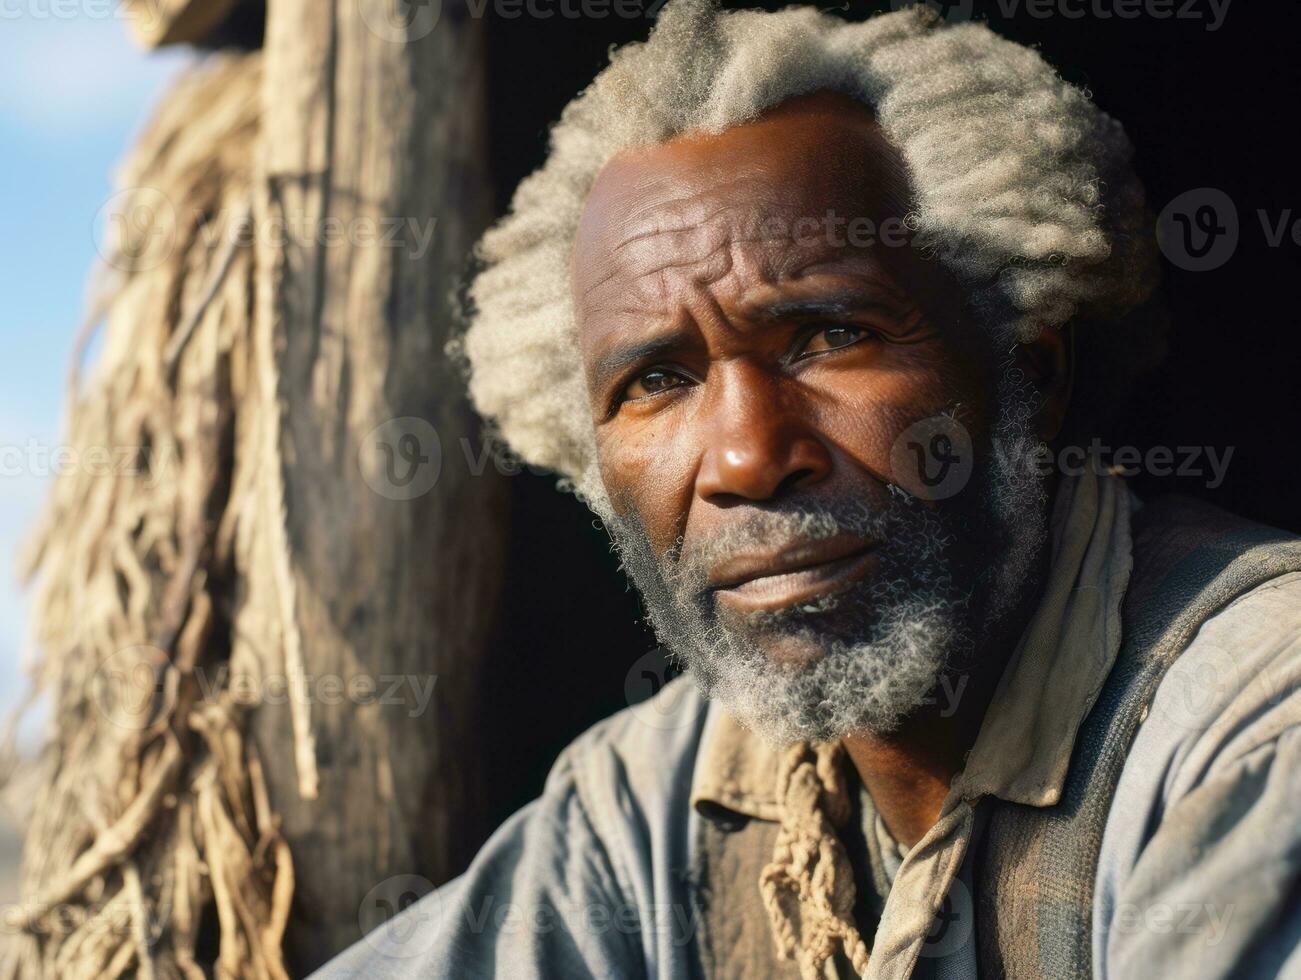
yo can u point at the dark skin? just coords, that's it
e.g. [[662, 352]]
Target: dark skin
[[741, 350]]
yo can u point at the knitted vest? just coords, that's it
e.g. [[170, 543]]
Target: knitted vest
[[1036, 866]]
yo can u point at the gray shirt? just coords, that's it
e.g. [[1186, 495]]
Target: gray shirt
[[1197, 868], [1198, 875]]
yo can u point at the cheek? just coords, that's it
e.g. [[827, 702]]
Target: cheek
[[649, 467], [863, 412]]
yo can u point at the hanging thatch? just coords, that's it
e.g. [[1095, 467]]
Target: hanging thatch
[[252, 364], [152, 826]]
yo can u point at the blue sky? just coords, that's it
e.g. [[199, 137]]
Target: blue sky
[[73, 92]]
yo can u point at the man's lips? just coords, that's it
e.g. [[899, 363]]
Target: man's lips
[[792, 575]]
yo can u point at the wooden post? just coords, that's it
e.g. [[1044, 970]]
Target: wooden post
[[371, 191]]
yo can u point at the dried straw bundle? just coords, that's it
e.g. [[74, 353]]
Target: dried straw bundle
[[152, 825]]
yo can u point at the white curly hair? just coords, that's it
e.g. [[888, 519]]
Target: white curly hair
[[1021, 187]]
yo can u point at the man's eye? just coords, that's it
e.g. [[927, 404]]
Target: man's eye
[[653, 382], [832, 337]]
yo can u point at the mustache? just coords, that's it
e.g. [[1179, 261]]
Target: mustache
[[778, 528], [687, 565]]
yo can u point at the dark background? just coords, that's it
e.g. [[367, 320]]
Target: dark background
[[1203, 108]]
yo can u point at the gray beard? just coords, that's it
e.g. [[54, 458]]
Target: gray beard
[[868, 656]]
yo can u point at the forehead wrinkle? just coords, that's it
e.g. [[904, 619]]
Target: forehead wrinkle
[[717, 263], [643, 215], [653, 282], [618, 264], [686, 226], [766, 269], [676, 194]]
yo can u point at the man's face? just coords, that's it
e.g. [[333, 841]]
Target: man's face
[[757, 336]]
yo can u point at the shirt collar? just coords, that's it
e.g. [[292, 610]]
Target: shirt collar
[[1023, 749]]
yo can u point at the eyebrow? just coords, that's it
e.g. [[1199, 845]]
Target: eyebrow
[[840, 303], [610, 364]]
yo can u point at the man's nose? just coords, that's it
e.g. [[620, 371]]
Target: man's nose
[[758, 444]]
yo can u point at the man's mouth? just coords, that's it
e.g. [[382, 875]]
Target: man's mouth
[[791, 576]]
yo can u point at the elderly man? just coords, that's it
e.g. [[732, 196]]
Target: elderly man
[[802, 309]]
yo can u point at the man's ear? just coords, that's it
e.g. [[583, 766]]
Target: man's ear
[[1049, 364]]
